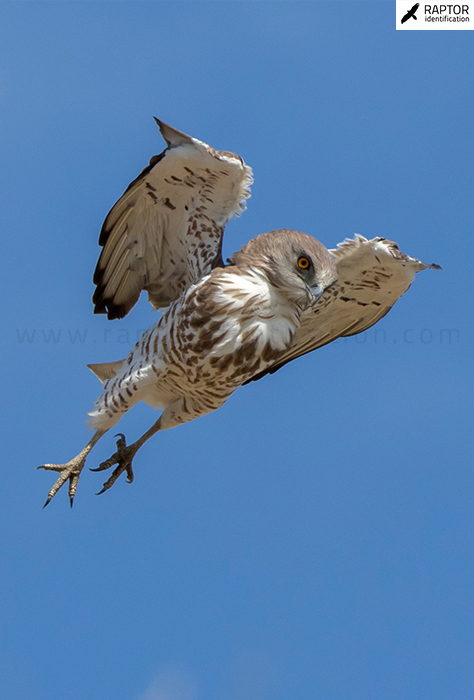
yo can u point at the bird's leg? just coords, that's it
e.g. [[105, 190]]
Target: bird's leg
[[71, 470], [124, 456], [181, 411]]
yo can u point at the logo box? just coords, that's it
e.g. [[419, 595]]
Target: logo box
[[434, 15]]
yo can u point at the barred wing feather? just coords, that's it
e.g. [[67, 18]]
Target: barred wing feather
[[165, 232], [372, 276]]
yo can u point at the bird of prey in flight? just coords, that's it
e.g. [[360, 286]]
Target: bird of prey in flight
[[222, 325], [410, 13]]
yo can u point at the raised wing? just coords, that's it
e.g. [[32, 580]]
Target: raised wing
[[372, 276], [165, 232]]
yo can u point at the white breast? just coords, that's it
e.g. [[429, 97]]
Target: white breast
[[255, 308]]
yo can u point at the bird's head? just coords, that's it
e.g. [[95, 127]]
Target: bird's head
[[298, 266]]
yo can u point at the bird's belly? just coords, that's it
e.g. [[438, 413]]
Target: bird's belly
[[206, 363]]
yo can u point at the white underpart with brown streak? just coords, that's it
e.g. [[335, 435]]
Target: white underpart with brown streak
[[161, 369]]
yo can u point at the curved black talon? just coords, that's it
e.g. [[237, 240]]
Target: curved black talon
[[115, 475], [107, 464]]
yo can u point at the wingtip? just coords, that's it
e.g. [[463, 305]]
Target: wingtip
[[172, 136]]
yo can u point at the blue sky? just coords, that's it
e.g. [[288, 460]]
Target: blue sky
[[312, 539]]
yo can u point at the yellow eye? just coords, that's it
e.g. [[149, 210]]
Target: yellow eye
[[303, 263]]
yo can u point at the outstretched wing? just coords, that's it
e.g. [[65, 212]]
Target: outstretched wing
[[372, 276], [165, 232]]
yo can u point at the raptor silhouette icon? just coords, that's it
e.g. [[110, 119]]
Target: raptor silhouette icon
[[411, 13]]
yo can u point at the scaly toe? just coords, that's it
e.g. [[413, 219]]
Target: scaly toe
[[67, 472], [123, 466], [115, 459], [123, 459]]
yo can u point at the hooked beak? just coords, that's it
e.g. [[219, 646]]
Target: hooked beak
[[315, 293]]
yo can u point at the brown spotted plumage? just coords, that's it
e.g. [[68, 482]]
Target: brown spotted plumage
[[165, 232], [281, 296]]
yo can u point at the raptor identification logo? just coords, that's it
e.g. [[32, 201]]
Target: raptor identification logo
[[433, 15]]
